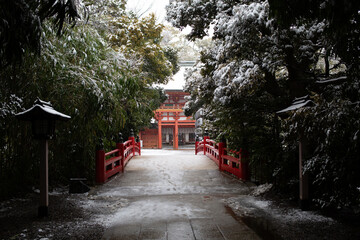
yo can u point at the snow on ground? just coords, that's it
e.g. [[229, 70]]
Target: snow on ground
[[281, 221], [261, 189], [164, 152], [68, 219], [102, 209], [253, 205], [58, 191]]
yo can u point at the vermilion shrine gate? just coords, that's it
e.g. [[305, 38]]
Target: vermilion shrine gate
[[173, 127]]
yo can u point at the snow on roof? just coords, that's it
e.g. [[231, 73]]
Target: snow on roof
[[297, 103], [332, 80], [41, 109]]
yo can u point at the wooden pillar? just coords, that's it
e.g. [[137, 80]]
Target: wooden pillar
[[132, 138], [196, 145], [205, 142], [221, 153], [100, 166], [44, 182], [159, 135], [244, 165], [304, 180], [176, 134], [120, 146]]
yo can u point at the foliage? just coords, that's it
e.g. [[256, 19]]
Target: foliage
[[141, 39], [342, 18], [21, 27], [197, 14], [256, 67], [332, 126], [172, 55], [103, 88], [332, 160], [60, 12]]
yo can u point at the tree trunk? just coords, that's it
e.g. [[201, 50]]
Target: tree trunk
[[298, 80]]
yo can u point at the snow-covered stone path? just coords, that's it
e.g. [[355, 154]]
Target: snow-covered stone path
[[167, 194]]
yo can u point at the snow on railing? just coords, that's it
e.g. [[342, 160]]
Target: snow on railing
[[110, 163], [236, 164]]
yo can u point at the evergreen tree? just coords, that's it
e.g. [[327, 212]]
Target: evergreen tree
[[257, 66]]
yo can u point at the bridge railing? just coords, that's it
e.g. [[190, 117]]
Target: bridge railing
[[110, 163], [235, 163]]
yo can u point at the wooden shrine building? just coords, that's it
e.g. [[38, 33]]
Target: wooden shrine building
[[173, 128]]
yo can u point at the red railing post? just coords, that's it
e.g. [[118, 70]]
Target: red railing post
[[120, 146], [100, 166], [244, 165], [133, 145], [205, 141], [196, 144], [221, 153], [139, 148]]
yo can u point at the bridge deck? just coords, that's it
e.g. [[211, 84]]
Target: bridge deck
[[173, 195]]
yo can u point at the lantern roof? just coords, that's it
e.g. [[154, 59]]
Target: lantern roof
[[41, 110], [297, 103]]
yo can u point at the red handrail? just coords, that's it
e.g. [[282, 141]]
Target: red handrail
[[110, 163], [237, 166], [111, 152]]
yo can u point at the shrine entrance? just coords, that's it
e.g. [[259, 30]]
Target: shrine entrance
[[186, 137], [172, 128]]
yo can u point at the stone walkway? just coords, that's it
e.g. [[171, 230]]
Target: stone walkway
[[174, 195]]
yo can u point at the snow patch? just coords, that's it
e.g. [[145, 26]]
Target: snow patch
[[254, 207], [35, 190], [103, 207], [58, 191], [261, 189]]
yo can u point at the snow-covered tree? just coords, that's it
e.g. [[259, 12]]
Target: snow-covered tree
[[187, 50], [257, 67], [332, 126]]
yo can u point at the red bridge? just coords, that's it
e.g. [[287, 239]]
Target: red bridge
[[236, 162], [170, 194], [110, 163]]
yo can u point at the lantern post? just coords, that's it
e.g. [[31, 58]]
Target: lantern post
[[43, 117], [303, 177]]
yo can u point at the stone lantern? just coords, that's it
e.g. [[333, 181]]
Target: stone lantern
[[43, 117]]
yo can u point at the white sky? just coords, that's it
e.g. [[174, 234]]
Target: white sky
[[149, 6], [178, 81]]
